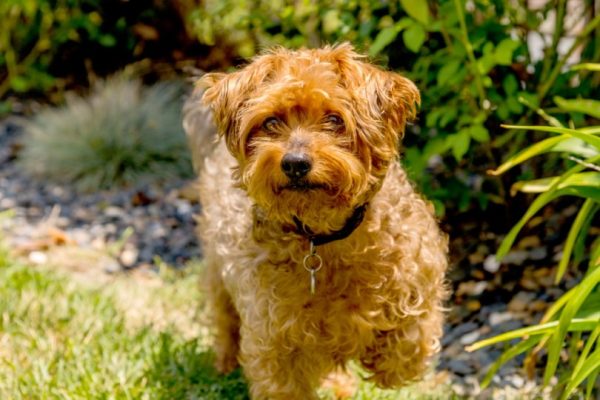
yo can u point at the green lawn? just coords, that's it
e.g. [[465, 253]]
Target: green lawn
[[124, 338]]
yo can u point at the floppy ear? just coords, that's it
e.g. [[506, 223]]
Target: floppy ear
[[396, 97], [226, 95], [383, 102]]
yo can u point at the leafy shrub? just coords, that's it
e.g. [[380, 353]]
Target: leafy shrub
[[49, 45], [122, 134], [575, 317], [471, 60]]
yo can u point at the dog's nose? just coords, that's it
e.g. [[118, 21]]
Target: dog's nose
[[296, 165]]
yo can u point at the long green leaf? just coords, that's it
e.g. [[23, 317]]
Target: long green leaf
[[589, 366], [590, 178], [586, 212], [511, 353], [592, 130], [582, 357], [585, 106], [571, 308], [541, 147], [577, 324], [557, 306], [591, 383], [563, 143], [586, 137], [543, 199], [587, 66]]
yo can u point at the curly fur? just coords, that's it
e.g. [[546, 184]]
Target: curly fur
[[379, 294]]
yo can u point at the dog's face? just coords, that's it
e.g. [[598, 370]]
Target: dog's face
[[313, 131]]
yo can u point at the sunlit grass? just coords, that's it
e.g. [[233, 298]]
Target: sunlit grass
[[64, 338]]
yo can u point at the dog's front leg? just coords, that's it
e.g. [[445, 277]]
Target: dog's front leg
[[275, 372], [400, 356]]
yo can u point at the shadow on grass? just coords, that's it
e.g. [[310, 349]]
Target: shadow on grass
[[185, 371]]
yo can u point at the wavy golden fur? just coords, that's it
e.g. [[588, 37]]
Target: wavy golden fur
[[379, 293]]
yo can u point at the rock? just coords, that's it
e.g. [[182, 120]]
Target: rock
[[469, 338], [497, 318], [516, 257], [460, 367], [473, 305], [538, 253], [491, 264], [38, 257], [520, 302], [471, 288]]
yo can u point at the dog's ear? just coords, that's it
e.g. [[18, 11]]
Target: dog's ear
[[226, 95], [396, 97], [391, 97], [383, 101]]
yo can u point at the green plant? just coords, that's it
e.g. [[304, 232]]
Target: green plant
[[471, 60], [575, 317], [34, 32], [123, 133], [48, 46]]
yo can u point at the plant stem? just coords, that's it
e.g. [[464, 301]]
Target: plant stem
[[550, 56], [469, 47]]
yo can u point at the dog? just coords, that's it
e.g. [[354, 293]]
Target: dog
[[318, 249]]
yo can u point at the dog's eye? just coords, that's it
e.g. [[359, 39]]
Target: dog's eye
[[334, 120], [271, 123]]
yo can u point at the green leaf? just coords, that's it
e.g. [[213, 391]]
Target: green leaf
[[577, 325], [414, 37], [566, 317], [538, 148], [503, 53], [107, 40], [479, 133], [587, 66], [447, 72], [510, 85], [459, 143], [576, 147], [417, 9], [511, 353], [581, 134], [543, 199], [586, 212], [544, 184], [585, 106], [384, 38], [20, 84]]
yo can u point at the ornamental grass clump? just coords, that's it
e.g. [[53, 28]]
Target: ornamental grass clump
[[122, 134]]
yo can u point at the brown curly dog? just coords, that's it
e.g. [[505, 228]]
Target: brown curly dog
[[318, 248]]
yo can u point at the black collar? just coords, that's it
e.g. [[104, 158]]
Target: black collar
[[319, 239]]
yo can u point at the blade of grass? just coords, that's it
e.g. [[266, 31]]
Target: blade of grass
[[589, 366], [511, 353], [564, 323], [582, 357], [585, 136], [541, 147], [587, 211], [577, 324]]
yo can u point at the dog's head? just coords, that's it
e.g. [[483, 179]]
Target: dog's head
[[313, 131]]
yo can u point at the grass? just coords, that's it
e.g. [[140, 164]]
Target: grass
[[131, 338], [123, 133]]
